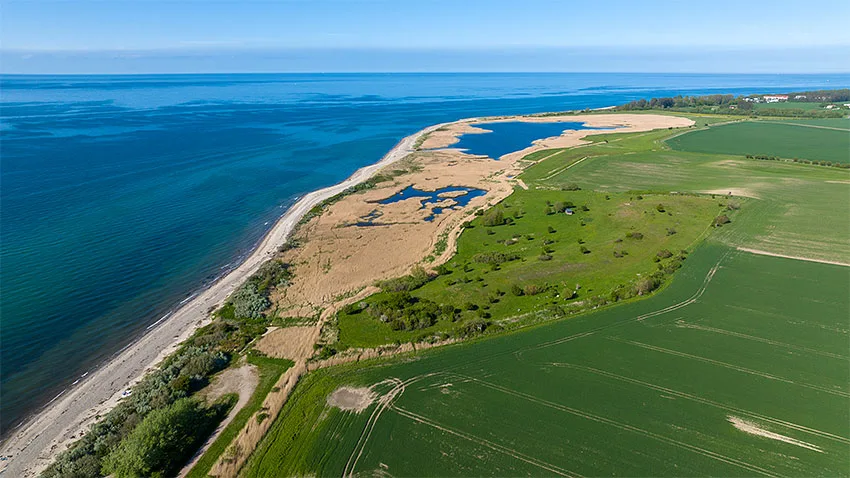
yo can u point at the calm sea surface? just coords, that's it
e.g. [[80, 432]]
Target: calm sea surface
[[122, 195]]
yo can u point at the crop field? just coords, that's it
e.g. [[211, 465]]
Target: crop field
[[785, 139], [739, 368], [799, 210]]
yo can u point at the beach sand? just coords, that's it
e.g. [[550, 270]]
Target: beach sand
[[356, 256]]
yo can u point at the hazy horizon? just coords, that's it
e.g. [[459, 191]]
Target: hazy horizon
[[663, 36]]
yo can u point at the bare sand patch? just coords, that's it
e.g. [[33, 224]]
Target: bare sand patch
[[741, 192], [293, 343], [351, 399], [843, 181], [452, 194], [753, 429], [446, 136]]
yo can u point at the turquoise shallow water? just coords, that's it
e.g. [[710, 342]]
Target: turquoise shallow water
[[120, 196]]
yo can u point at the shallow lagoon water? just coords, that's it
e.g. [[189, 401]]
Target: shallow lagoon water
[[433, 197], [509, 136], [120, 196]]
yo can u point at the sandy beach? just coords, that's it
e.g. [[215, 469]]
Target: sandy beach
[[33, 446]]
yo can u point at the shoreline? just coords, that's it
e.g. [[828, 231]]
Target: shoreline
[[34, 444]]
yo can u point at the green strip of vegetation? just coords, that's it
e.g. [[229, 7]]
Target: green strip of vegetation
[[270, 370]]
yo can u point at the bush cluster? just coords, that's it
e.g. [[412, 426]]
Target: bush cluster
[[416, 279]]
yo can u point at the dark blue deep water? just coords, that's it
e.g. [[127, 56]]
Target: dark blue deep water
[[121, 195], [510, 136]]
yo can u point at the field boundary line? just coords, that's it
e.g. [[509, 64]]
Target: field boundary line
[[706, 401], [843, 130], [756, 338], [786, 256], [481, 441], [558, 171], [737, 368], [625, 426]]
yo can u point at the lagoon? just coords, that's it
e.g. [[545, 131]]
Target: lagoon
[[509, 136]]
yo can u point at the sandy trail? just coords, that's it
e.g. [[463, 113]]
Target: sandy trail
[[33, 446]]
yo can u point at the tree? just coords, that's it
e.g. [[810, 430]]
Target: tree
[[162, 442]]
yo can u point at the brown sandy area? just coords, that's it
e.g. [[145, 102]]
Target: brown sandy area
[[293, 343], [351, 399]]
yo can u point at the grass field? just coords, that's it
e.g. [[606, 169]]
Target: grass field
[[773, 138], [801, 210], [555, 251], [739, 368]]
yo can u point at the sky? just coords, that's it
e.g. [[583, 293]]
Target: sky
[[148, 36]]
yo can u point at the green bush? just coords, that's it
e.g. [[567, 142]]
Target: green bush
[[164, 440]]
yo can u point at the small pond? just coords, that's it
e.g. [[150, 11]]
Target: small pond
[[511, 136]]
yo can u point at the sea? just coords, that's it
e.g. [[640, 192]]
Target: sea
[[122, 196]]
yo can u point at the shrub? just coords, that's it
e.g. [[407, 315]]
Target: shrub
[[634, 235], [544, 257], [646, 285], [660, 208], [493, 217], [416, 279], [584, 250], [721, 220], [532, 289], [551, 230], [516, 290], [162, 441], [494, 257], [571, 187], [670, 231], [664, 254]]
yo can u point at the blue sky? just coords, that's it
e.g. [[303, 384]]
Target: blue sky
[[425, 35]]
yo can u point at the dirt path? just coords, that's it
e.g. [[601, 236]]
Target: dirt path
[[243, 381]]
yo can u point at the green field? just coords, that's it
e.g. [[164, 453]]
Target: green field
[[773, 138], [801, 210], [653, 387], [548, 250]]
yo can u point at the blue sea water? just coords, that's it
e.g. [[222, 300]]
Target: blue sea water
[[120, 196], [510, 136]]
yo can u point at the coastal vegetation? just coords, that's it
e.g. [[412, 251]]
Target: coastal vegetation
[[154, 430]]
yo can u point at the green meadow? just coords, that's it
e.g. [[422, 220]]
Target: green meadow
[[735, 364], [739, 368], [785, 139], [609, 241]]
